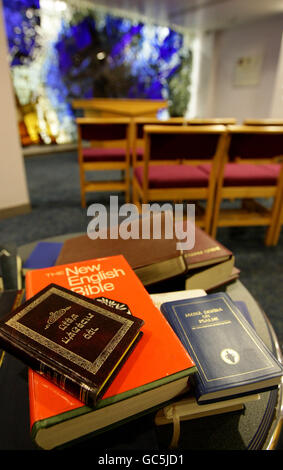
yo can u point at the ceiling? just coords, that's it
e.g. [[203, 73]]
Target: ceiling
[[199, 14]]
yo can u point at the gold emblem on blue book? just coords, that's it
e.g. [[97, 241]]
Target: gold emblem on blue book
[[230, 356]]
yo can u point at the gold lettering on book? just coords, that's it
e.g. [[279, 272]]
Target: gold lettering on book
[[76, 328], [206, 316], [202, 252], [68, 321], [54, 316], [193, 314], [213, 310], [216, 323]]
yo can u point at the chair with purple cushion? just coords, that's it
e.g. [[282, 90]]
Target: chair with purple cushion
[[170, 168], [252, 170], [104, 144]]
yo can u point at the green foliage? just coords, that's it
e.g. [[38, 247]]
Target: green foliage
[[178, 87]]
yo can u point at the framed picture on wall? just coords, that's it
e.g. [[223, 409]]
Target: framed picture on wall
[[247, 70]]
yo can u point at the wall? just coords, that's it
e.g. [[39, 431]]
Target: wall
[[277, 100], [13, 186], [203, 75], [251, 101]]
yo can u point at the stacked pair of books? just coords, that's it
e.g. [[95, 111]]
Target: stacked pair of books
[[206, 266]]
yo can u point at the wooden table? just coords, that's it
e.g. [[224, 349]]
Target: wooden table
[[111, 107]]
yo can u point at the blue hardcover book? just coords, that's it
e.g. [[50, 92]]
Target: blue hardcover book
[[231, 358], [244, 310], [44, 255]]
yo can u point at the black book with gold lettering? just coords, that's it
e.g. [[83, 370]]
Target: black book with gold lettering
[[77, 343]]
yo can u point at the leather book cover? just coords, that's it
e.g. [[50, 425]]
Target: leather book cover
[[153, 259], [74, 342], [206, 251], [231, 358], [138, 253]]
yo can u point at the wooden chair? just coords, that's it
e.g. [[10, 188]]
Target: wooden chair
[[251, 170], [104, 144], [169, 170]]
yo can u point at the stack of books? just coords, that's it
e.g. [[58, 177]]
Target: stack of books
[[206, 266], [102, 350], [47, 334]]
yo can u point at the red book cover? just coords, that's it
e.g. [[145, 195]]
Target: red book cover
[[157, 359]]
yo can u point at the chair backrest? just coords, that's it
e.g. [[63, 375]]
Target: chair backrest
[[181, 121], [263, 122], [211, 121], [188, 144], [103, 129], [256, 143], [140, 122]]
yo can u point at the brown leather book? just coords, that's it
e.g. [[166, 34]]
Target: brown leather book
[[206, 251], [210, 264], [153, 260], [77, 343], [212, 276]]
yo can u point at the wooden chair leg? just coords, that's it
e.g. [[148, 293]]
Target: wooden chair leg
[[134, 193], [128, 186], [268, 236], [273, 232], [276, 234], [270, 233], [136, 197], [215, 214], [208, 218], [83, 198], [82, 187]]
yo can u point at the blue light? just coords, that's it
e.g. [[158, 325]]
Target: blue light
[[91, 56]]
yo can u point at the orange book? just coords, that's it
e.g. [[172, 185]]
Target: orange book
[[156, 372]]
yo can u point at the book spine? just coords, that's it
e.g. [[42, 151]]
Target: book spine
[[195, 379], [29, 286], [72, 385]]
